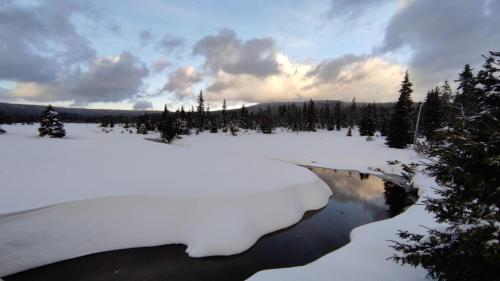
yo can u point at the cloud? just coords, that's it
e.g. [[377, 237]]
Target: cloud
[[169, 44], [181, 81], [333, 70], [108, 79], [351, 10], [159, 65], [39, 41], [367, 78], [225, 52], [442, 36], [145, 36], [142, 105]]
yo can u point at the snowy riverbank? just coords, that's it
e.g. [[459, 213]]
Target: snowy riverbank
[[215, 193]]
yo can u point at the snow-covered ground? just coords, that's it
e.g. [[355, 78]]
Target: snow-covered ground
[[213, 192]]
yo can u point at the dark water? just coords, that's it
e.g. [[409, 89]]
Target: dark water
[[357, 199]]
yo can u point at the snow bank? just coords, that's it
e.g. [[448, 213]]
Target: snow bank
[[112, 191], [365, 257], [213, 192]]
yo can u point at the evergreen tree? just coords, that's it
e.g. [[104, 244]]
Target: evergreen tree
[[468, 203], [400, 130], [50, 125], [353, 114], [311, 116], [200, 114], [349, 132], [337, 116], [367, 125], [2, 131], [167, 128], [466, 97], [432, 117], [224, 116], [244, 118]]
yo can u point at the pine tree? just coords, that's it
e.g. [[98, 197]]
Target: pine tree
[[432, 113], [468, 202], [337, 116], [50, 124], [167, 128], [224, 116], [400, 130], [244, 118], [2, 131], [353, 114], [349, 132], [311, 116], [466, 97], [367, 125], [200, 114]]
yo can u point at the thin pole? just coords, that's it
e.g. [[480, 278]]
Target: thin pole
[[416, 126]]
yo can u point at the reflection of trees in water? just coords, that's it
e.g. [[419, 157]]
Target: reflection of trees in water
[[397, 198], [363, 176]]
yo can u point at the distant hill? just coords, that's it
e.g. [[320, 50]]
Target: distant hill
[[11, 112], [29, 109]]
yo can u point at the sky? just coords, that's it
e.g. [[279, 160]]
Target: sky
[[127, 54]]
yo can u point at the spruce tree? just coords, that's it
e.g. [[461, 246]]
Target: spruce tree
[[466, 97], [400, 129], [353, 114], [167, 128], [337, 116], [311, 116], [432, 117], [467, 167], [50, 125], [200, 114], [224, 116]]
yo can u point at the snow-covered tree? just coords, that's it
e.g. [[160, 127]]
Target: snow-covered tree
[[50, 125], [400, 129], [466, 163]]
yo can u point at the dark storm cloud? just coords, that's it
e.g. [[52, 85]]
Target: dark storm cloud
[[39, 41], [142, 105], [170, 44], [224, 51], [443, 36]]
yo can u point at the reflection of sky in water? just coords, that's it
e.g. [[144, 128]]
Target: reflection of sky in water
[[357, 199], [360, 195]]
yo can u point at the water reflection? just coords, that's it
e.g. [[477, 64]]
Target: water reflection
[[357, 199]]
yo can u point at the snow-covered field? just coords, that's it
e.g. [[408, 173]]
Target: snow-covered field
[[213, 192]]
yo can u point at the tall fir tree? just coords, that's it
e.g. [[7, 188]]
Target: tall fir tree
[[467, 167], [311, 116], [432, 117], [337, 116], [200, 114], [466, 97], [224, 116], [167, 128], [50, 124], [400, 130]]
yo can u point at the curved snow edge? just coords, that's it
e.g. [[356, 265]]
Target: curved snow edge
[[207, 225], [365, 256]]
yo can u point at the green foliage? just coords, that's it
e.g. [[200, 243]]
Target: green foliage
[[50, 124], [466, 163], [401, 124]]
